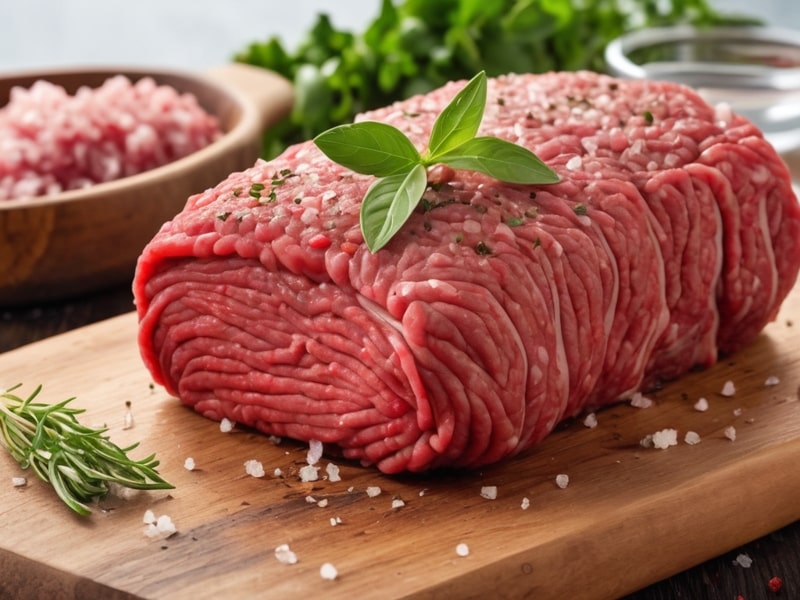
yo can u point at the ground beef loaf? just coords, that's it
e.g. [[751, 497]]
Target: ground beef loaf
[[498, 310]]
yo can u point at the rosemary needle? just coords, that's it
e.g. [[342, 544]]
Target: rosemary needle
[[78, 461]]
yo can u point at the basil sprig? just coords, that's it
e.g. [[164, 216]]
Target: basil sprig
[[379, 149]]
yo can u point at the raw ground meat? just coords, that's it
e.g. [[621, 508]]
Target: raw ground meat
[[51, 141], [498, 310]]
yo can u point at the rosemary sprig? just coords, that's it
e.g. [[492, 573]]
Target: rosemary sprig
[[78, 461]]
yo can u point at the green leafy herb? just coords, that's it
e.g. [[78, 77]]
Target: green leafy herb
[[414, 46], [384, 151], [78, 461]]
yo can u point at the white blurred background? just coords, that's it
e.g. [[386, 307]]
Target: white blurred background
[[197, 34]]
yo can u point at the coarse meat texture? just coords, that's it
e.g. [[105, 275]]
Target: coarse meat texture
[[498, 310]]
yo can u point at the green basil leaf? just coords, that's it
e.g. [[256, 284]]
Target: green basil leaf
[[369, 147], [389, 203], [500, 159], [460, 119]]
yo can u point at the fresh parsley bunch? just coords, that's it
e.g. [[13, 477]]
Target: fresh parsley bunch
[[379, 149]]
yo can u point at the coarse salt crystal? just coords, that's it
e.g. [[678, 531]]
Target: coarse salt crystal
[[277, 472], [19, 481], [772, 380], [574, 163], [311, 500], [323, 503], [275, 440], [314, 452], [149, 517], [336, 521], [562, 480], [665, 438], [743, 560], [737, 412], [728, 389], [701, 405], [526, 503], [165, 525], [373, 490], [489, 492], [638, 400], [188, 464], [332, 471], [462, 549], [254, 468], [397, 503], [691, 438], [328, 572], [226, 425], [422, 492], [590, 421], [162, 527], [309, 473], [730, 433], [285, 555]]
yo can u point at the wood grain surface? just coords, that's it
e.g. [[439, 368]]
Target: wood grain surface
[[630, 515]]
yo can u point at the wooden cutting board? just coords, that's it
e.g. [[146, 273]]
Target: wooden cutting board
[[626, 506]]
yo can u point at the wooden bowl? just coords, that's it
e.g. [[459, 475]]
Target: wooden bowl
[[76, 242]]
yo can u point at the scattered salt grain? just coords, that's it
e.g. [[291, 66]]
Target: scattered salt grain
[[590, 421], [314, 452], [462, 549], [397, 503], [226, 425], [638, 400], [285, 555], [772, 380], [737, 412], [730, 433], [309, 473], [120, 491], [691, 438], [373, 491], [332, 471], [422, 492], [336, 521], [128, 419], [665, 438], [311, 500], [743, 560], [254, 468], [489, 492], [275, 440], [701, 405], [562, 480], [162, 527], [323, 503], [19, 481], [526, 503], [328, 572], [277, 472], [728, 389], [188, 464]]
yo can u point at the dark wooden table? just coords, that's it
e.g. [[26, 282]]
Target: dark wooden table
[[722, 578]]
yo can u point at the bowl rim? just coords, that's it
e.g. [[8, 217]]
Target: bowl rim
[[748, 76], [247, 123]]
